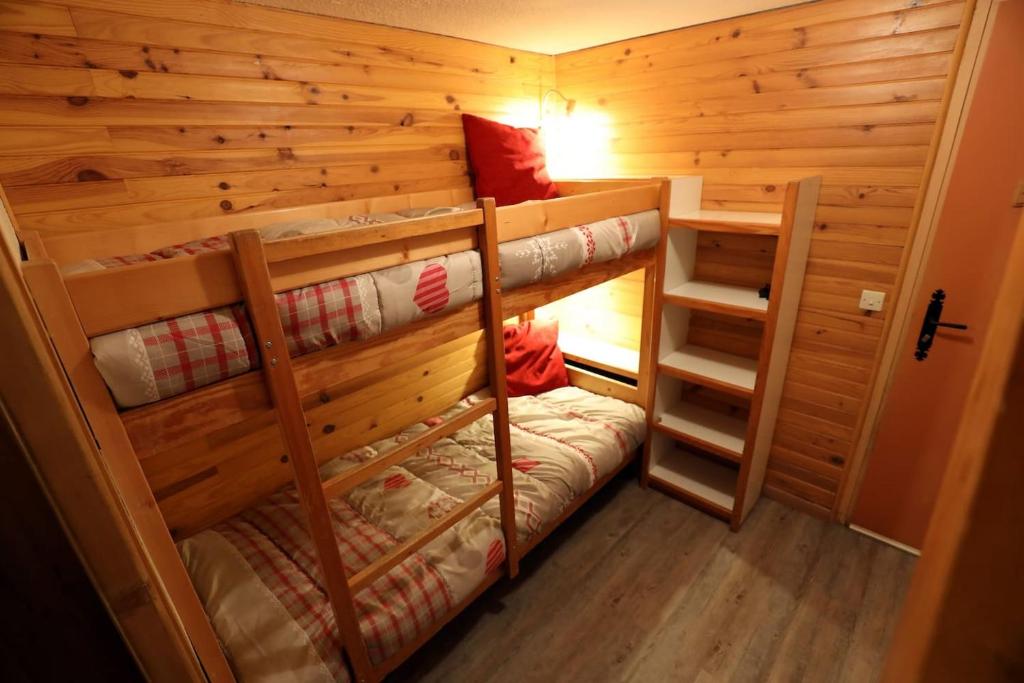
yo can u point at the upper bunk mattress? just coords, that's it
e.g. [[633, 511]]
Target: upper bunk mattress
[[166, 358], [257, 573]]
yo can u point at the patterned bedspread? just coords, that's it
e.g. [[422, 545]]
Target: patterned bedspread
[[257, 575], [163, 359]]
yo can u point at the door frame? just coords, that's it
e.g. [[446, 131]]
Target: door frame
[[968, 56]]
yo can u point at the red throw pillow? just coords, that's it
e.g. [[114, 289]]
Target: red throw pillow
[[508, 163], [533, 361]]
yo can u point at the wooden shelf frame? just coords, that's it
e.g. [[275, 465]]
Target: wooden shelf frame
[[758, 381], [252, 408]]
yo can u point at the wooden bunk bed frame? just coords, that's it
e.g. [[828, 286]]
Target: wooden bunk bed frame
[[187, 462]]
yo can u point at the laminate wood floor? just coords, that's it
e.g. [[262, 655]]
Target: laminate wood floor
[[640, 587]]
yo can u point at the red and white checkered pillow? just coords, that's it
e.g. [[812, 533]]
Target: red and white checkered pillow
[[328, 313], [191, 351]]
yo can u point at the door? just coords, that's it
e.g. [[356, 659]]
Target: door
[[967, 261]]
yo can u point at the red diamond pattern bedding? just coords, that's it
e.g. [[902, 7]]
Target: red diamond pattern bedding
[[257, 573]]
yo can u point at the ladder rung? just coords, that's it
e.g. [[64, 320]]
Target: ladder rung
[[404, 550], [348, 480]]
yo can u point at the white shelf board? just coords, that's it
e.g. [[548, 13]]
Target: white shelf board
[[608, 356], [712, 481], [724, 433], [717, 366], [717, 294], [767, 219], [741, 222]]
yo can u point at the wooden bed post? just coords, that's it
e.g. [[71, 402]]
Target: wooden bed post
[[653, 279], [277, 367], [488, 244], [72, 346]]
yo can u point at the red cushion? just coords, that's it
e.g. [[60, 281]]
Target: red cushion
[[533, 361], [508, 163]]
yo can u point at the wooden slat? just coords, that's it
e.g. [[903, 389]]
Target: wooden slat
[[346, 481], [397, 555], [301, 272], [259, 297], [44, 198], [22, 48], [158, 174], [34, 17], [535, 218], [207, 281], [286, 34], [308, 245], [604, 386], [146, 237], [65, 82], [118, 298]]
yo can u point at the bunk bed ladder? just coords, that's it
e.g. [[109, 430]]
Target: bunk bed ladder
[[488, 245], [259, 297], [314, 493]]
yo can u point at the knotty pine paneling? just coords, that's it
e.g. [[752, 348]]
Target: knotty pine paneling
[[120, 112], [848, 89]]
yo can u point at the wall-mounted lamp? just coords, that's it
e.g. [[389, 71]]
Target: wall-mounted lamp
[[570, 104], [577, 144]]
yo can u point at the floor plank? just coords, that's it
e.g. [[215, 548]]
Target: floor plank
[[639, 587]]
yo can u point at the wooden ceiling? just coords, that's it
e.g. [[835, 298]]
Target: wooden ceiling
[[545, 26]]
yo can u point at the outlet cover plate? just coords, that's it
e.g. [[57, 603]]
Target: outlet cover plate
[[871, 300]]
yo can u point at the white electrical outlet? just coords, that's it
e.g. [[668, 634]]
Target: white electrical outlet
[[871, 300]]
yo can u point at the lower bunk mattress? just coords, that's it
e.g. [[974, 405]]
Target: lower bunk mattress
[[257, 573]]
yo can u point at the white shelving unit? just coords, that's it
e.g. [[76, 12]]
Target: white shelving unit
[[712, 453]]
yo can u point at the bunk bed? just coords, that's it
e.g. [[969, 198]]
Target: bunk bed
[[373, 484]]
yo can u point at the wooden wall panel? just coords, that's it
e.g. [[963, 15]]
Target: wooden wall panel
[[118, 112], [114, 113], [848, 89]]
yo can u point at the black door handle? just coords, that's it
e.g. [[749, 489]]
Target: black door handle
[[933, 321]]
